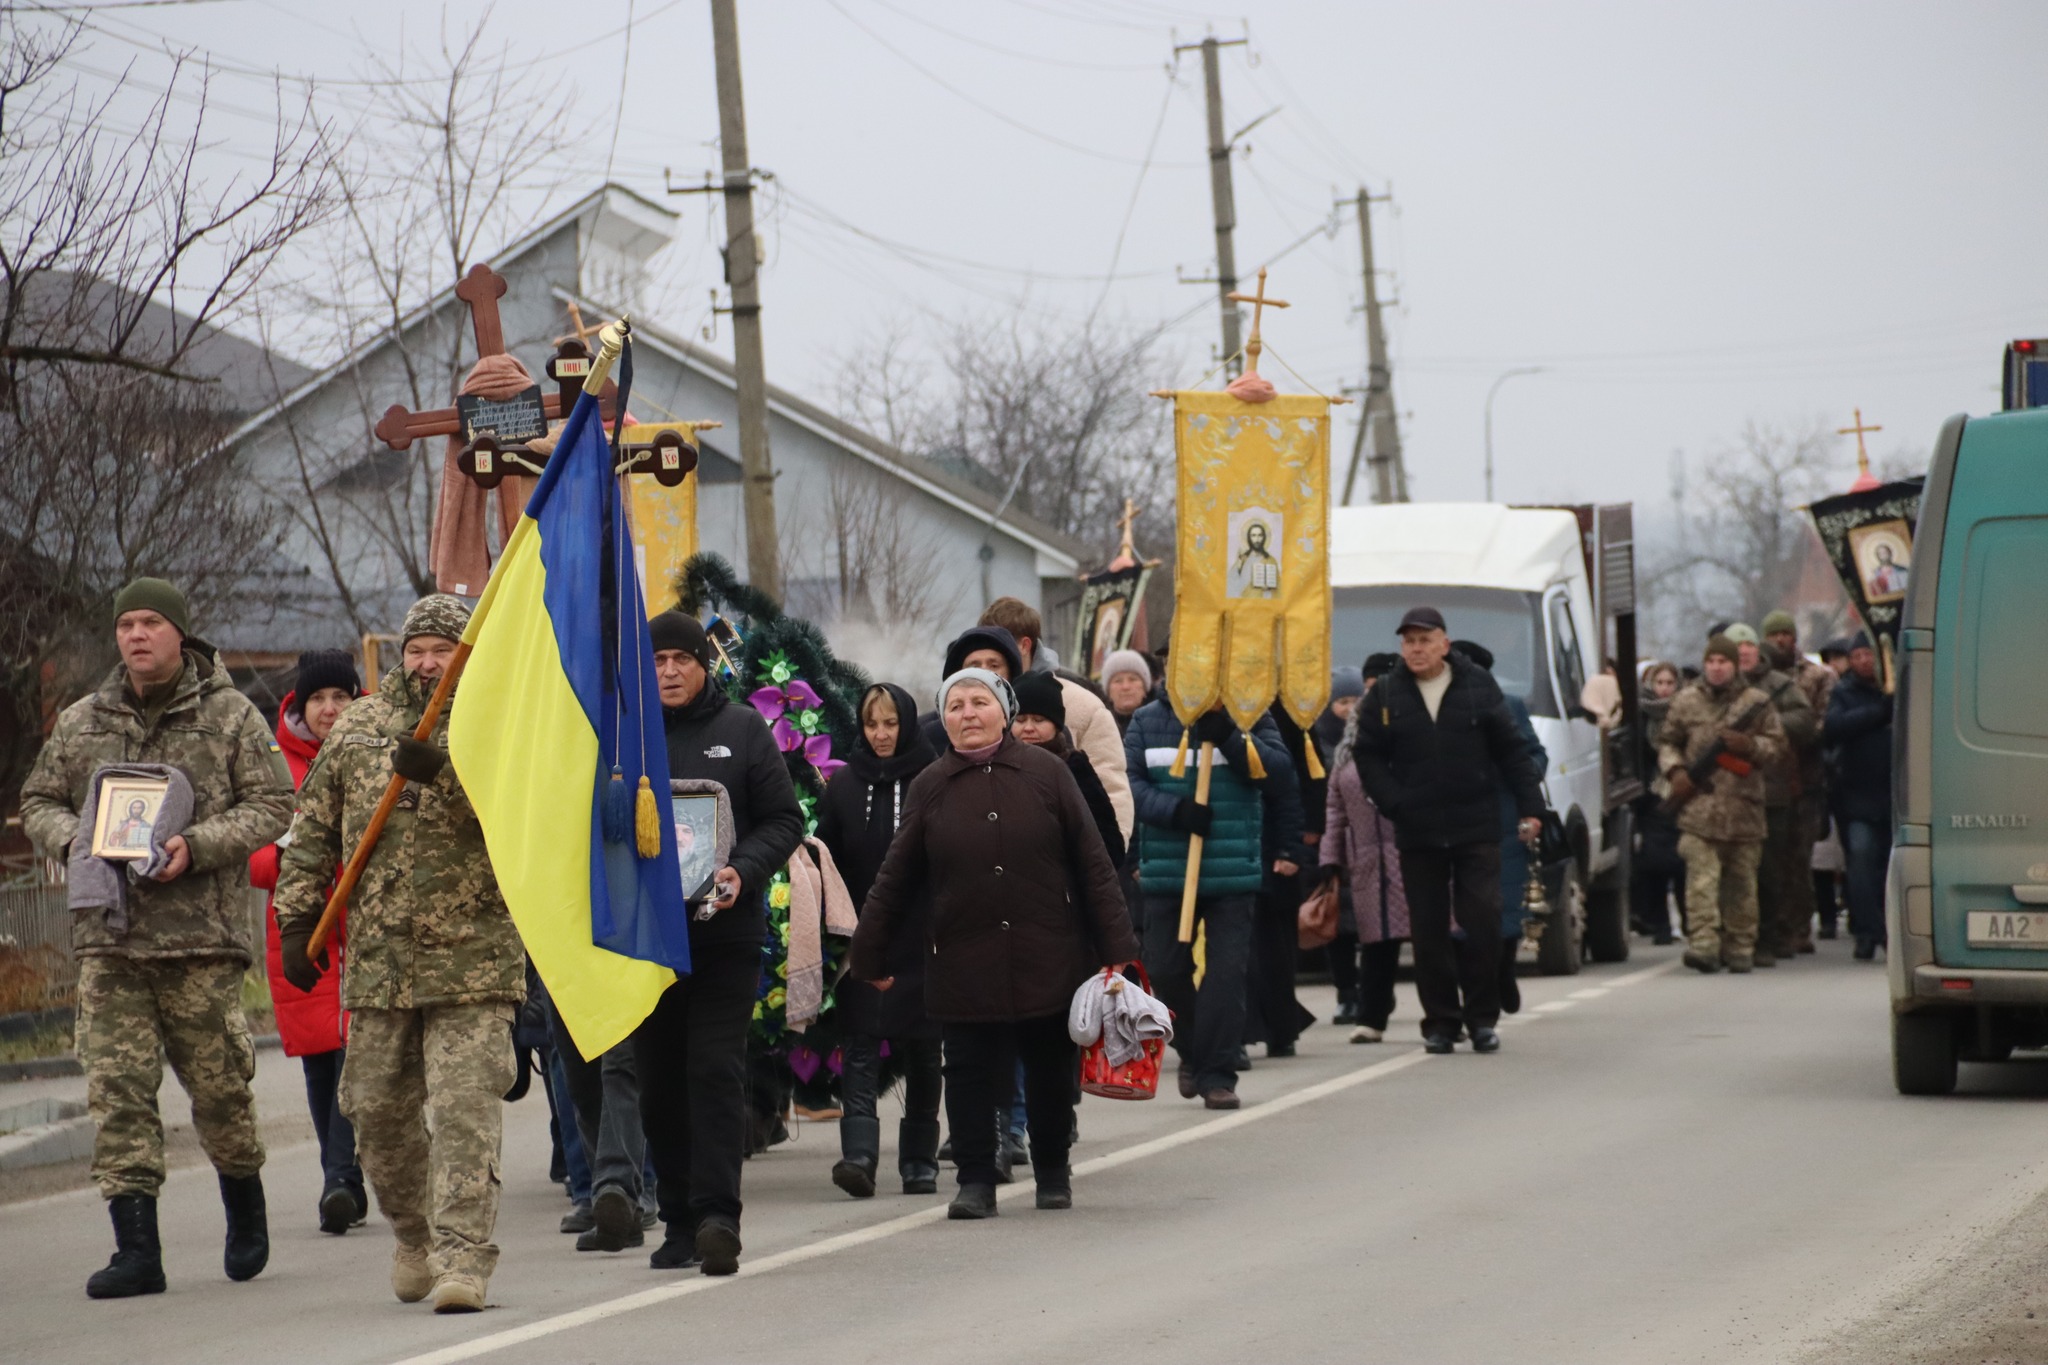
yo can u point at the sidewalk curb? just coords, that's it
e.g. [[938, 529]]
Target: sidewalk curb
[[61, 1132], [42, 1068]]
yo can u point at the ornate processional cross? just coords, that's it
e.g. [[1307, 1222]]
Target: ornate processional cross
[[1259, 302]]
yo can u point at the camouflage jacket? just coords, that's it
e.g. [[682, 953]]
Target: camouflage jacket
[[426, 924], [1733, 810], [241, 794], [1817, 682], [1783, 780]]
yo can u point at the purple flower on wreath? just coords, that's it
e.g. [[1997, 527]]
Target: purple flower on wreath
[[777, 700], [818, 749]]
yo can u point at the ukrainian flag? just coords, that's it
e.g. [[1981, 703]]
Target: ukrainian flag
[[558, 690]]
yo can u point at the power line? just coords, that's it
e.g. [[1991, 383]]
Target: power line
[[987, 46], [989, 109], [619, 114], [1130, 210]]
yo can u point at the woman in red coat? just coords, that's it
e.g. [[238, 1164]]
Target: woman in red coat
[[311, 1024]]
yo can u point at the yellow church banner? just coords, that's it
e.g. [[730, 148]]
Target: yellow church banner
[[1251, 620], [664, 517]]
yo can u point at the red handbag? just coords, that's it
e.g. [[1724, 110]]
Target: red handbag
[[1137, 1079]]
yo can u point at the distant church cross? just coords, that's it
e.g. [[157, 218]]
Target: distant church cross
[[1258, 300], [1864, 478]]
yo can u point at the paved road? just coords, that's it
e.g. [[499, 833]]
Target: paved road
[[1659, 1167]]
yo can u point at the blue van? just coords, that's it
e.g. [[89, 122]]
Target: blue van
[[1966, 904]]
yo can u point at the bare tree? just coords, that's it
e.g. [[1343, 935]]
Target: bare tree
[[881, 569], [1741, 542], [115, 253], [119, 262], [482, 140]]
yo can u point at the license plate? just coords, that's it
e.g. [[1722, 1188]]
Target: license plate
[[2008, 928]]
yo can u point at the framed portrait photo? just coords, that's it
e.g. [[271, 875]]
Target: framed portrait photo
[[1883, 553], [696, 825], [126, 815]]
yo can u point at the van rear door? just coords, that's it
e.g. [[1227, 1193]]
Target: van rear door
[[1990, 771]]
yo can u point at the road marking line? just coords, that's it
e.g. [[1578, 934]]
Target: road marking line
[[648, 1298], [1590, 993], [1554, 1006]]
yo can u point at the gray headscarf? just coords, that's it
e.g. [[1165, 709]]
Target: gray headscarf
[[998, 686]]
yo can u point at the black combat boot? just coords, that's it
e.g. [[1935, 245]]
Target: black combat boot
[[248, 1247], [973, 1202], [138, 1264], [917, 1155], [860, 1149]]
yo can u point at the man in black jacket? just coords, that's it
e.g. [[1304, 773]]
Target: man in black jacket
[[692, 1051], [1435, 745], [1858, 735]]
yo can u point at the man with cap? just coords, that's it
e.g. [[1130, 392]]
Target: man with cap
[[1435, 746], [1721, 825], [160, 971], [1810, 804], [1858, 733], [1781, 867], [692, 1051], [433, 974]]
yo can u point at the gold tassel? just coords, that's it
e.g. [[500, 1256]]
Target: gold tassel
[[1256, 769], [1314, 762], [1180, 757], [647, 821]]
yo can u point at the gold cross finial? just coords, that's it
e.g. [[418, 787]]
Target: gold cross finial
[[1862, 455], [1259, 302], [576, 327], [1127, 554]]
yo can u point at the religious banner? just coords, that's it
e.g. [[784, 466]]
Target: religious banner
[[1868, 536], [663, 509], [1251, 619], [1109, 613]]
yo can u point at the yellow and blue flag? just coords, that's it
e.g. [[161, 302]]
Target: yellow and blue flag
[[558, 703]]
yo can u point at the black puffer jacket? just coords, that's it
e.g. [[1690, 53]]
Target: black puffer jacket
[[857, 819], [732, 745], [1439, 780], [1858, 735]]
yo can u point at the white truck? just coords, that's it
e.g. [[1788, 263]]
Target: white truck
[[1551, 592]]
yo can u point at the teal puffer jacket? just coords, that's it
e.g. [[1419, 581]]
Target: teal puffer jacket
[[1232, 855]]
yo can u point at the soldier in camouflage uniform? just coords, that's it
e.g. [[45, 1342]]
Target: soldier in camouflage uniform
[[432, 976], [1779, 874], [1721, 829], [168, 982], [1810, 805]]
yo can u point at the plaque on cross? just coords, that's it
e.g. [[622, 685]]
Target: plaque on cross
[[481, 289]]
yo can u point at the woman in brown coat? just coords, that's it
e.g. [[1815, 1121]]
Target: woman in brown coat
[[1024, 906]]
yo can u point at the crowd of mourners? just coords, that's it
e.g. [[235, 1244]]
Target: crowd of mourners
[[1028, 830]]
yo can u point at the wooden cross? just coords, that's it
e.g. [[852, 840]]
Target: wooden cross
[[481, 289], [1126, 550], [1862, 455], [1259, 302]]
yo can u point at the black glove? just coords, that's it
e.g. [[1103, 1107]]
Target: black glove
[[1215, 727], [1190, 818], [418, 761], [292, 948]]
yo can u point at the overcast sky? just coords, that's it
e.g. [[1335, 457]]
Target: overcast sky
[[1693, 216]]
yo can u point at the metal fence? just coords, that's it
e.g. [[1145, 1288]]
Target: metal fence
[[38, 970]]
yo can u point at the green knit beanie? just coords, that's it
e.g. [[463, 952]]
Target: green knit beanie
[[1779, 623], [154, 594]]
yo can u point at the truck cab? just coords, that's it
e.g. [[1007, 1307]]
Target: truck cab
[[1520, 581], [1966, 900]]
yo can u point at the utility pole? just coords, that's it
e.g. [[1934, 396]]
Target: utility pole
[[1221, 193], [742, 265], [1376, 423]]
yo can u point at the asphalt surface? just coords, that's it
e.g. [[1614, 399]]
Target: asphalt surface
[[1657, 1167]]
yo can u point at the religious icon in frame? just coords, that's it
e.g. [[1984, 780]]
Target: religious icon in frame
[[1883, 552], [122, 825], [1254, 547]]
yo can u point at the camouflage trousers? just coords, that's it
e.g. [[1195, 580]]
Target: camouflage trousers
[[132, 1014], [425, 1089], [1720, 897]]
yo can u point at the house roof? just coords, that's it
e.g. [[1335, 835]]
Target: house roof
[[1066, 552], [637, 207]]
